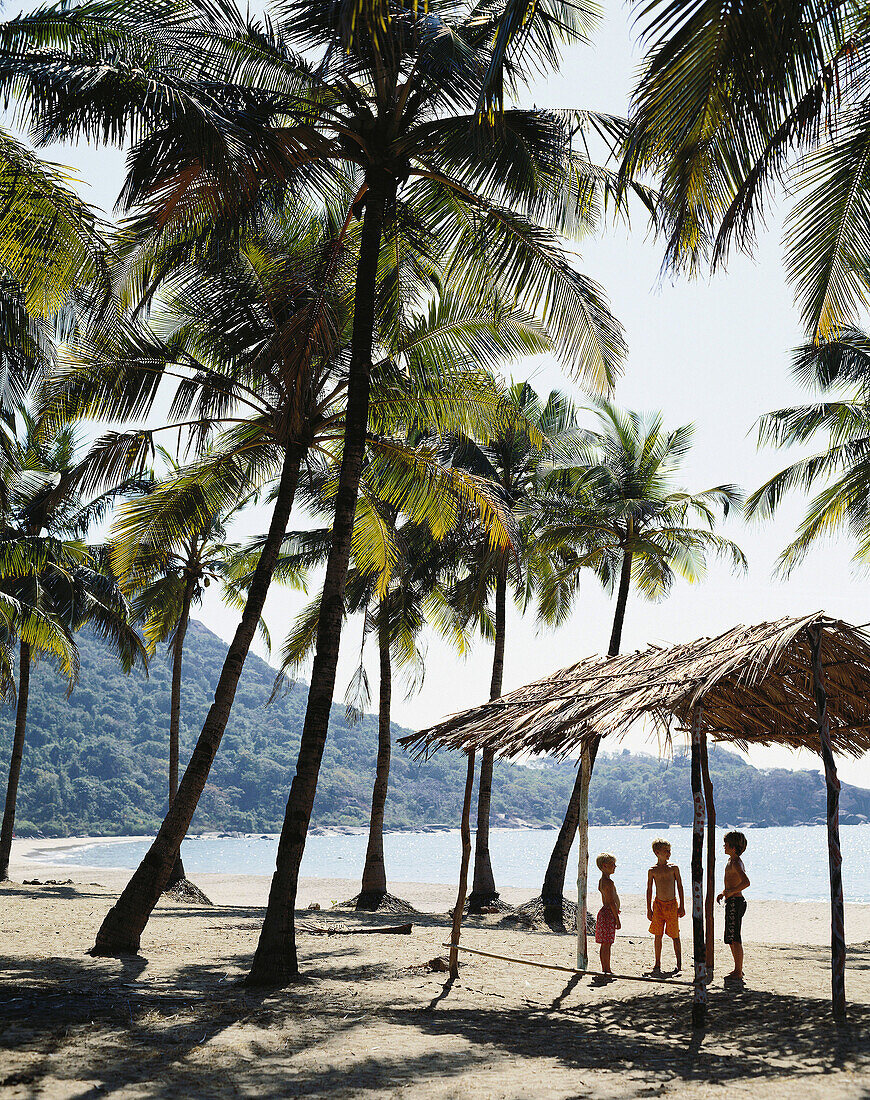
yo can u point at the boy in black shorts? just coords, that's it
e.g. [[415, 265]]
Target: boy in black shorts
[[736, 882]]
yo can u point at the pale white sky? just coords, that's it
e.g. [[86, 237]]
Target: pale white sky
[[714, 352]]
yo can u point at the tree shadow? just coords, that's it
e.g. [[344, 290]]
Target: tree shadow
[[773, 1032]]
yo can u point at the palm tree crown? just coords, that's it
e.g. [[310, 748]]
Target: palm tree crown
[[841, 370]]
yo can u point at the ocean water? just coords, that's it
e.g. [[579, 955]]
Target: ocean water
[[785, 863]]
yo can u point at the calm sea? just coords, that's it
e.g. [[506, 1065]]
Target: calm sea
[[785, 863]]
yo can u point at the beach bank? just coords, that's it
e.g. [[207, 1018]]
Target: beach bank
[[370, 1019]]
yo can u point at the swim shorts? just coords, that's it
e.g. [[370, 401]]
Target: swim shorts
[[665, 919], [605, 926], [734, 909]]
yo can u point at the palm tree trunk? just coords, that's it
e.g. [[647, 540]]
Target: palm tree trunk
[[177, 873], [374, 876], [15, 760], [577, 814], [483, 891], [122, 927], [275, 961], [621, 601], [553, 889]]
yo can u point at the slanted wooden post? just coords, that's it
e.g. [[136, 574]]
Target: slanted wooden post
[[699, 996], [710, 899], [583, 859], [835, 859], [465, 833]]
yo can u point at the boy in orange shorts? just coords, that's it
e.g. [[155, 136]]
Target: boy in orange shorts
[[665, 911]]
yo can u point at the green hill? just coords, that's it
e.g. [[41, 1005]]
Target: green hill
[[96, 763]]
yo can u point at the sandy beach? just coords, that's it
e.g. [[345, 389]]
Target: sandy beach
[[370, 1019]]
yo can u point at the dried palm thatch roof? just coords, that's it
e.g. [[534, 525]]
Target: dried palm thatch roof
[[755, 683]]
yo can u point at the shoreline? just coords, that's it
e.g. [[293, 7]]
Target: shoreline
[[769, 921]]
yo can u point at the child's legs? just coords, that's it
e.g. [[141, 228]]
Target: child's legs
[[658, 950], [678, 952], [737, 952], [605, 958]]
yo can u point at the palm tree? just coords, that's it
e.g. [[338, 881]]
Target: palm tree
[[399, 572], [51, 243], [252, 335], [843, 416], [736, 99], [396, 604], [517, 462], [59, 583], [164, 581], [620, 515], [52, 254], [224, 114], [233, 341]]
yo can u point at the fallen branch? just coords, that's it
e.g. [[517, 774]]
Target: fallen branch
[[574, 970], [344, 930]]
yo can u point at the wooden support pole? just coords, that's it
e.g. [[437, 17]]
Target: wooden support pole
[[710, 898], [465, 832], [835, 859], [699, 997], [583, 859]]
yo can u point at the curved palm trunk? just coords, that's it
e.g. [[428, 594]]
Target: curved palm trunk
[[374, 876], [15, 760], [275, 961], [122, 927], [577, 813], [483, 891], [621, 601], [177, 873]]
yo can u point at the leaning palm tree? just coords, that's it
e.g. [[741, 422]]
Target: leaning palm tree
[[840, 369], [58, 582], [516, 461], [225, 114], [164, 582], [737, 99], [233, 342], [621, 516]]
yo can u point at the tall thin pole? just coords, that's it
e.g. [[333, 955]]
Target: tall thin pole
[[465, 832], [709, 900], [835, 859], [699, 996], [583, 860]]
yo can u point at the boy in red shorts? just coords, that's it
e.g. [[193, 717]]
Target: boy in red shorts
[[665, 911], [608, 916]]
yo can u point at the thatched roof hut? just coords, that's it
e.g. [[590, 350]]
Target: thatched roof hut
[[756, 683], [800, 682]]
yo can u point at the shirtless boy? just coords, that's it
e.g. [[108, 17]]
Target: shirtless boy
[[608, 915], [664, 912], [736, 882]]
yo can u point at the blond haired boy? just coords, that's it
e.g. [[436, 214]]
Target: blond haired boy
[[607, 920], [665, 911]]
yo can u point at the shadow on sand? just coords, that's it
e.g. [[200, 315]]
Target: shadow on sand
[[97, 1021]]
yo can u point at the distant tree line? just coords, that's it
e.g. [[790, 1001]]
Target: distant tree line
[[97, 763]]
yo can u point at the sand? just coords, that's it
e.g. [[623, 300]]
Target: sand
[[369, 1019]]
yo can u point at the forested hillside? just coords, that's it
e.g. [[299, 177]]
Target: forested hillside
[[96, 763]]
